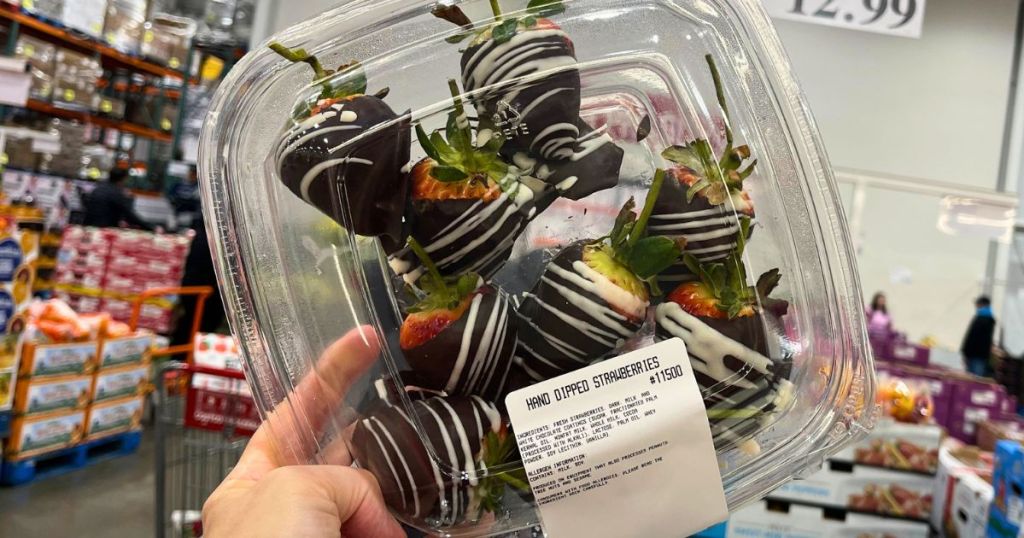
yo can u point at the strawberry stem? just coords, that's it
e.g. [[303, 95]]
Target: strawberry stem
[[513, 481], [424, 257], [652, 195], [460, 109], [720, 92], [300, 56], [496, 8]]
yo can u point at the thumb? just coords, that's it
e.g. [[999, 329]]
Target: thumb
[[359, 502]]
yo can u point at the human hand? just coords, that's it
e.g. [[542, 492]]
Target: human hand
[[266, 496]]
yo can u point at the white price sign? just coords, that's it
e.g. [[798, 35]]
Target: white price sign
[[902, 18]]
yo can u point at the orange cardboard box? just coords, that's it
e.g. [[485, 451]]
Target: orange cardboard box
[[113, 417], [116, 352], [38, 360], [115, 383], [50, 394], [35, 435]]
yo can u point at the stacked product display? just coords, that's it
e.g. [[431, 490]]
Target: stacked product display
[[81, 379], [104, 269], [442, 164]]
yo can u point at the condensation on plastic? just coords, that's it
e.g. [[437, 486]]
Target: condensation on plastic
[[294, 281]]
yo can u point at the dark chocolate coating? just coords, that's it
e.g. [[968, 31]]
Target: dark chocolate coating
[[711, 231], [539, 116], [367, 175], [557, 331], [738, 380], [462, 236], [477, 365], [415, 485], [592, 166]]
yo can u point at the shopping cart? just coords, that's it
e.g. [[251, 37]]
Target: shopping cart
[[204, 417]]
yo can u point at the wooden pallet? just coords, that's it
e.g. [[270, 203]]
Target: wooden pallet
[[16, 473]]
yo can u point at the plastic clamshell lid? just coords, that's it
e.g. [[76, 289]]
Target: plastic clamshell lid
[[295, 282]]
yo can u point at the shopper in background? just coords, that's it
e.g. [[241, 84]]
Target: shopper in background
[[878, 316], [109, 204], [977, 346], [266, 494]]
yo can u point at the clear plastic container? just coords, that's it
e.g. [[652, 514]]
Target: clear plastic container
[[590, 103]]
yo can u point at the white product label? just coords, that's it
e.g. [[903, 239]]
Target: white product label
[[629, 433], [902, 18], [1014, 509]]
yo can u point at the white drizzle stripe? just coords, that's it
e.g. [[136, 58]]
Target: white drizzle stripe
[[604, 288], [582, 326], [569, 350], [536, 102], [405, 465], [463, 440], [384, 451], [703, 341], [320, 167], [293, 145], [467, 343], [597, 311], [449, 448]]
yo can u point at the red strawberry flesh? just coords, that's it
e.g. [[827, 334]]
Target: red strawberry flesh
[[427, 187], [421, 327]]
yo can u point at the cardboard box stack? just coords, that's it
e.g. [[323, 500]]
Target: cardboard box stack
[[41, 57], [85, 16], [962, 491], [124, 22], [167, 39], [74, 81], [105, 269], [80, 378]]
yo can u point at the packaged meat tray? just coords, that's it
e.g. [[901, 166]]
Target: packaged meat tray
[[474, 200]]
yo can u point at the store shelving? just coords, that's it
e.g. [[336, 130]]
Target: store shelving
[[64, 38], [81, 115]]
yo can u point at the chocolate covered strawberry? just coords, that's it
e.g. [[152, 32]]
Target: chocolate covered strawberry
[[723, 322], [433, 466], [593, 296], [522, 70], [539, 115], [360, 184], [704, 200], [459, 338], [468, 205]]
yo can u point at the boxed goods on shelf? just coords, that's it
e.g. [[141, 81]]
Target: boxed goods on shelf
[[39, 360], [863, 489], [7, 386], [132, 349], [19, 248], [44, 433], [123, 26], [132, 380], [894, 445], [774, 519], [113, 417], [85, 16], [955, 461], [41, 58], [990, 432], [500, 228], [972, 497], [49, 394], [168, 39], [74, 80], [50, 9], [1007, 508]]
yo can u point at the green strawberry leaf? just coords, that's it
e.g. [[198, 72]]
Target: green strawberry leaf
[[505, 31], [426, 144], [684, 155], [446, 153], [448, 174], [348, 80], [529, 21], [652, 255], [458, 138], [545, 8], [458, 38]]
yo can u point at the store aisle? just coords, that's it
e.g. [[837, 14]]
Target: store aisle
[[111, 499]]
